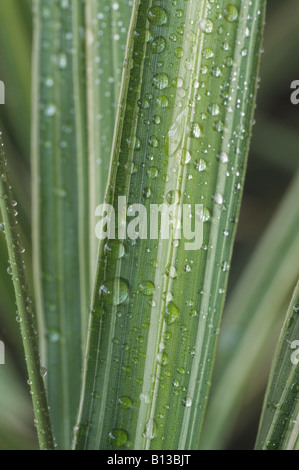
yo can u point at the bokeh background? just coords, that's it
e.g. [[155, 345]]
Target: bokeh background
[[273, 161]]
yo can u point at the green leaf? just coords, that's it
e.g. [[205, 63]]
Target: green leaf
[[280, 417], [25, 314], [15, 70], [60, 202], [181, 137], [252, 321], [107, 25]]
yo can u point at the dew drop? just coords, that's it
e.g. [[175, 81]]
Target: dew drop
[[124, 402], [54, 335], [171, 313], [150, 430], [114, 291], [223, 157], [218, 199], [50, 110], [153, 141], [187, 402], [147, 288], [152, 172], [185, 157], [231, 13], [162, 359], [158, 44], [206, 26], [118, 437], [162, 101], [173, 197], [160, 81], [196, 130], [200, 165], [157, 16], [115, 249]]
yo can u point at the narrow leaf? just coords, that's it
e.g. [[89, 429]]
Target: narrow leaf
[[181, 138], [252, 320], [25, 314], [60, 202], [279, 426], [107, 25]]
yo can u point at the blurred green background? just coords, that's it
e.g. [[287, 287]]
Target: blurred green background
[[273, 161]]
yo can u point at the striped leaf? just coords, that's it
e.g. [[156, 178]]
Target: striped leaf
[[181, 139], [279, 426]]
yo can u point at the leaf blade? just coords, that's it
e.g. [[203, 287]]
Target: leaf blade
[[279, 422], [141, 302]]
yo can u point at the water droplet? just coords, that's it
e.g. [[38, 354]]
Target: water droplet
[[114, 291], [172, 313], [147, 192], [147, 288], [207, 53], [162, 359], [160, 81], [162, 101], [203, 214], [187, 402], [174, 135], [200, 165], [225, 266], [158, 44], [218, 199], [152, 172], [150, 429], [185, 157], [223, 157], [54, 335], [173, 197], [157, 16], [50, 110], [153, 141], [118, 437], [214, 109], [125, 402], [43, 371], [114, 249], [218, 126], [207, 26], [231, 13], [178, 52], [196, 130]]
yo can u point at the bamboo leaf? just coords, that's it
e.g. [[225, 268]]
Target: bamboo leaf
[[252, 320], [60, 200], [24, 305], [181, 137], [280, 417]]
